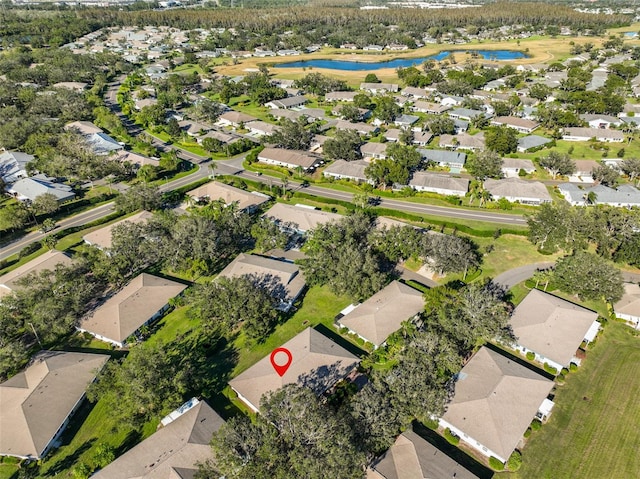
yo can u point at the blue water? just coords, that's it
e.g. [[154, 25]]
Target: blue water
[[399, 62]]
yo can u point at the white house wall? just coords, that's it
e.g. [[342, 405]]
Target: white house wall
[[485, 451]]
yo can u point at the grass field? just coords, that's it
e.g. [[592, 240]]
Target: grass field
[[593, 432]]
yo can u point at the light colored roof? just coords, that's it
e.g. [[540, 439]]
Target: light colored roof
[[629, 304], [371, 148], [304, 218], [532, 141], [31, 188], [517, 163], [517, 188], [317, 363], [237, 117], [124, 312], [172, 452], [445, 182], [623, 195], [515, 121], [384, 312], [48, 260], [84, 127], [35, 402], [135, 158], [353, 169], [229, 194], [551, 326], [412, 457], [495, 400], [593, 133], [290, 157], [464, 140], [102, 237], [283, 279], [289, 101]]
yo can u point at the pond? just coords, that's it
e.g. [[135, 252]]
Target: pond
[[400, 62]]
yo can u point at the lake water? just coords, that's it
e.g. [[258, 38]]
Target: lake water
[[399, 62]]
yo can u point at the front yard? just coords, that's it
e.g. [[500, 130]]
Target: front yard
[[593, 431]]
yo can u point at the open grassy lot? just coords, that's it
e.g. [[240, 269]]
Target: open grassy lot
[[593, 432]]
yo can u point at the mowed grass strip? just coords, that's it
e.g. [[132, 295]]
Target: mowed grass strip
[[593, 432]]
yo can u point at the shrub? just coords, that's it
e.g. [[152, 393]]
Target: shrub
[[27, 250], [527, 433], [536, 425], [496, 464], [573, 367], [431, 424], [531, 355], [515, 461], [560, 378], [550, 369], [564, 371], [449, 436]]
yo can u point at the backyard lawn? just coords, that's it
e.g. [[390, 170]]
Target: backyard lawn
[[593, 432]]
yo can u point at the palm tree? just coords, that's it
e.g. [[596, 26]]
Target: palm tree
[[212, 168], [590, 198]]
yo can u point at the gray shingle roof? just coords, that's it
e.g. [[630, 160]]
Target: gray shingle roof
[[31, 188]]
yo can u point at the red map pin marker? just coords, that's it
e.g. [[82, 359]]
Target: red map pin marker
[[281, 368]]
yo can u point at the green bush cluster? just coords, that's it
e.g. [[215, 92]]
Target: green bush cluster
[[496, 464], [536, 425], [449, 436], [550, 369], [573, 367], [515, 461], [31, 248], [531, 355]]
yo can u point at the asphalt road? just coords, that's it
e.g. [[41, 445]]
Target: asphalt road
[[510, 278]]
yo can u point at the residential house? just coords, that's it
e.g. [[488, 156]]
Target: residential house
[[376, 88], [10, 282], [83, 127], [261, 128], [284, 280], [245, 200], [299, 218], [220, 136], [624, 196], [316, 362], [430, 108], [421, 138], [363, 113], [511, 167], [362, 128], [451, 159], [234, 118], [600, 121], [349, 170], [532, 142], [373, 48], [174, 450], [451, 100], [494, 402], [101, 238], [521, 125], [586, 134], [13, 166], [292, 115], [346, 96], [36, 404], [439, 183], [584, 171], [518, 191], [412, 457], [376, 151], [102, 144], [628, 308], [34, 186], [76, 86], [143, 300], [552, 328], [193, 128], [406, 120], [467, 114], [413, 92], [463, 141], [383, 313], [392, 134], [288, 158], [287, 103], [314, 113]]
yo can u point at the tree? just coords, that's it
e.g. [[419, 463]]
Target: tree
[[147, 173], [485, 164], [631, 168], [371, 78], [13, 217], [606, 175], [169, 161], [45, 204], [558, 164], [350, 113], [296, 436], [442, 125], [539, 91], [147, 384], [268, 235], [589, 276], [207, 110], [386, 108], [292, 135], [139, 197], [173, 128], [556, 226], [406, 136], [501, 139], [344, 146]]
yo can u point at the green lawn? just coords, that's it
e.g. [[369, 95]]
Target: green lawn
[[593, 432], [8, 470]]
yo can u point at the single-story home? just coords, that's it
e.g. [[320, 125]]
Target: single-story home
[[234, 118], [288, 158], [586, 134], [10, 282], [467, 114], [135, 159], [422, 138], [83, 127], [341, 96], [517, 190], [584, 171], [625, 195], [521, 125], [13, 166], [405, 120], [441, 184], [628, 308], [174, 450], [376, 88], [463, 141], [383, 313], [511, 167], [600, 121], [350, 170], [451, 159], [392, 134], [413, 457], [414, 92], [262, 128], [494, 402], [143, 300], [316, 362], [552, 328], [37, 403], [299, 218], [428, 107], [531, 142], [34, 186], [193, 128], [283, 279], [362, 128], [376, 151], [101, 238], [246, 200], [288, 102], [218, 135]]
